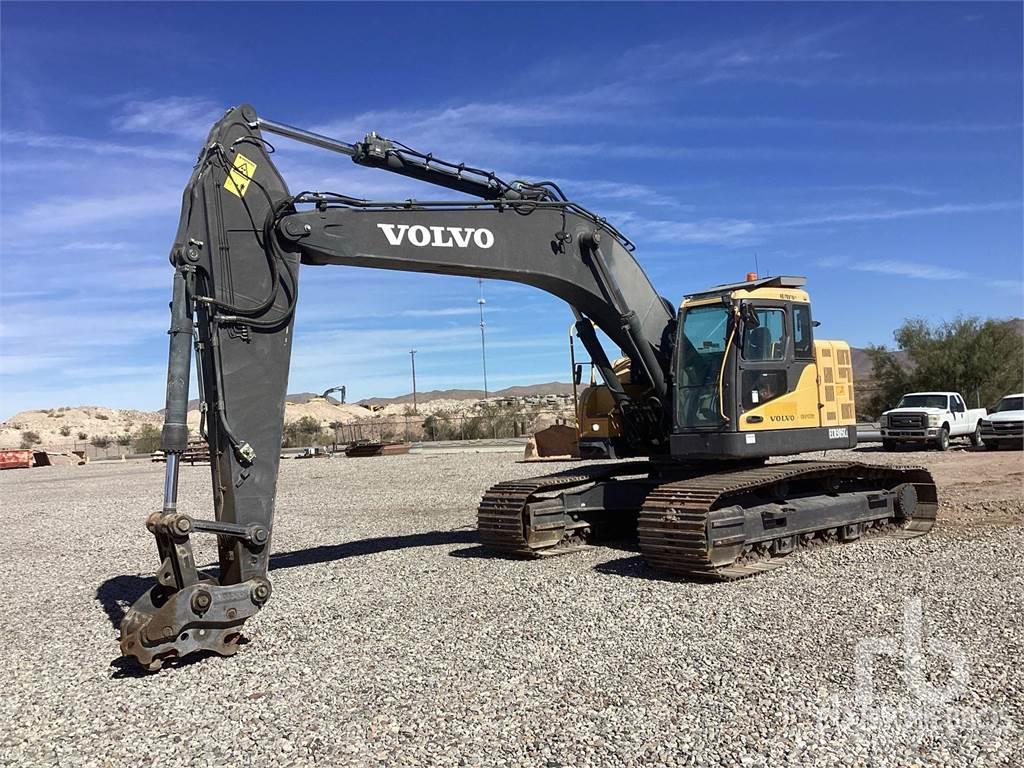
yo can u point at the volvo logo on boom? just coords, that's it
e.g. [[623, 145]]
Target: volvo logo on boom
[[437, 237]]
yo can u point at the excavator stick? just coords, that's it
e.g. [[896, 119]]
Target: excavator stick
[[233, 306]]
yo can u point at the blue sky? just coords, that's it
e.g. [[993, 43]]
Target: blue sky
[[874, 148]]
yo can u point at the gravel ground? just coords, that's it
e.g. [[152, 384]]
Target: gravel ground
[[392, 639]]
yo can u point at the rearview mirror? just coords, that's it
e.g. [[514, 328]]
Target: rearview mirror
[[577, 374]]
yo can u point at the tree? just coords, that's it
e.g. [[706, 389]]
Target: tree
[[148, 439], [125, 439], [981, 359], [101, 441], [305, 431]]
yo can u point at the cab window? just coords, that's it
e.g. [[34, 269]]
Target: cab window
[[803, 341], [766, 340]]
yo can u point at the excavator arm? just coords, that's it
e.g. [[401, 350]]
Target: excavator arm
[[236, 257]]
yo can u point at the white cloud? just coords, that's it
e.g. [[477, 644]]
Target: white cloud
[[902, 213], [910, 269], [186, 116], [722, 231], [59, 214], [92, 146], [448, 311]]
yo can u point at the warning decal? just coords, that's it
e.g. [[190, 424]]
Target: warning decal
[[241, 175]]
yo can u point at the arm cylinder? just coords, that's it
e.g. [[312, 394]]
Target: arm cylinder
[[174, 438]]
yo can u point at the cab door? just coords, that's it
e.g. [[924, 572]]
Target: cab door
[[958, 409], [771, 375]]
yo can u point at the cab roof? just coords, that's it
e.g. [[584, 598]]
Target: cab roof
[[779, 281]]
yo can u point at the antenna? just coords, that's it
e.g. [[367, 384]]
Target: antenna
[[757, 270]]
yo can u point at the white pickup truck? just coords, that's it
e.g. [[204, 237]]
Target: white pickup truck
[[1004, 425], [931, 418]]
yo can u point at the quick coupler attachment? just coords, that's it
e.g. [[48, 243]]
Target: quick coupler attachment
[[183, 613]]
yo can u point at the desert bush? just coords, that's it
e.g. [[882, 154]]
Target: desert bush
[[65, 431], [30, 438], [101, 441], [83, 435], [148, 439], [303, 432], [102, 417], [124, 439], [442, 424]]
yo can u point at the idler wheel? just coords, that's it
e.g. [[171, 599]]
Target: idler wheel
[[906, 501]]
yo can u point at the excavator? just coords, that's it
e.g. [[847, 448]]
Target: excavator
[[704, 395]]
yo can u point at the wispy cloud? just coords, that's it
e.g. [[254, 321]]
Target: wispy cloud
[[912, 269], [844, 124], [93, 146], [699, 232], [447, 311], [74, 213], [732, 232], [186, 116], [903, 213], [774, 55]]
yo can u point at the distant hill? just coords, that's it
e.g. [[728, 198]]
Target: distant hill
[[861, 373], [304, 397], [300, 399], [533, 390]]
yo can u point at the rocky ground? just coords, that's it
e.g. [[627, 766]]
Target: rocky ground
[[393, 639]]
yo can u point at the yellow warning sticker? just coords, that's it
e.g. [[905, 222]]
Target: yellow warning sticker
[[241, 175]]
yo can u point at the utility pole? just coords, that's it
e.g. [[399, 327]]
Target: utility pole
[[412, 356], [483, 344]]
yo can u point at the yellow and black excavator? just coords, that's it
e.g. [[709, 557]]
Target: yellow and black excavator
[[702, 398]]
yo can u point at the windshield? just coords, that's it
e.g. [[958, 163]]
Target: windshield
[[702, 350], [1010, 404], [923, 401]]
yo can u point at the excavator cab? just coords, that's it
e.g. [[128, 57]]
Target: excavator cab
[[750, 379]]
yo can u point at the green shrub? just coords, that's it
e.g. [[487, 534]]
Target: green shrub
[[148, 439], [305, 432]]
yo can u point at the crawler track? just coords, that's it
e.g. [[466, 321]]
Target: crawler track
[[501, 517], [676, 523], [694, 526]]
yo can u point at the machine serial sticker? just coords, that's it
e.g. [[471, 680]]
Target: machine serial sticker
[[241, 175], [838, 433], [751, 439]]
